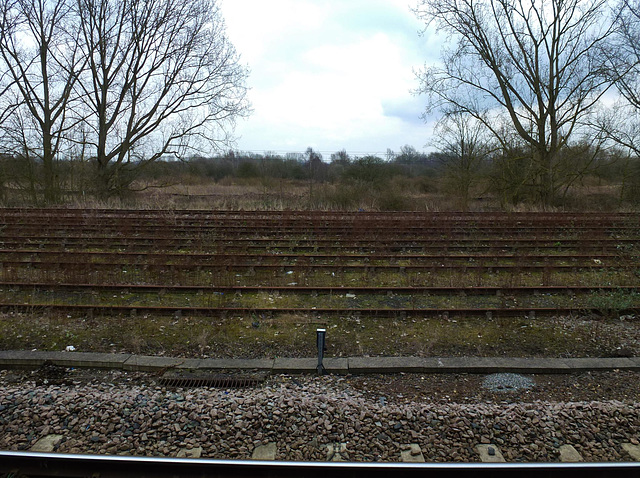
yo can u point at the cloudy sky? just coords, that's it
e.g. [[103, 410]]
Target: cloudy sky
[[330, 74]]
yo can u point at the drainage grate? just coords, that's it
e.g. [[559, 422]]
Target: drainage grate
[[221, 380]]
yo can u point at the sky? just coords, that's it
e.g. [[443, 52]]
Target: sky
[[331, 74]]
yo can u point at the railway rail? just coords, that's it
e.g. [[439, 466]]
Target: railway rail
[[136, 245], [200, 214], [470, 290], [98, 309], [52, 464], [393, 244], [172, 257], [335, 267], [232, 227]]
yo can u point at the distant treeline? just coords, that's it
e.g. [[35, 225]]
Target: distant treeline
[[343, 181]]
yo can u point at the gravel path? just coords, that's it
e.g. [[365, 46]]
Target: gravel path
[[130, 415]]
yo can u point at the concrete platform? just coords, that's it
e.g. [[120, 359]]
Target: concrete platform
[[90, 360], [335, 365], [145, 363], [23, 359], [294, 365], [390, 364], [35, 359], [236, 364], [593, 364]]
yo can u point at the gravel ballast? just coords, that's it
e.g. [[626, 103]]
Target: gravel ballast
[[301, 415]]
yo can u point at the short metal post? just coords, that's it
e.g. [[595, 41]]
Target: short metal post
[[320, 342]]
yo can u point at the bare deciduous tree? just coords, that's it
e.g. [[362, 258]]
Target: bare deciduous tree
[[42, 61], [464, 150], [624, 54], [531, 62], [162, 79], [621, 122], [8, 103]]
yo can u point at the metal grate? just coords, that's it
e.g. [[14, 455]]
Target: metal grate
[[198, 380]]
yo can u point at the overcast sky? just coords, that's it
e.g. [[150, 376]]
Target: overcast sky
[[330, 74]]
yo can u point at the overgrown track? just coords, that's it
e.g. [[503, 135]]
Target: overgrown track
[[230, 262]]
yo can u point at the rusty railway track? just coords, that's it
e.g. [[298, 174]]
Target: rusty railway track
[[468, 290], [37, 255], [285, 267], [441, 243], [198, 214], [296, 249], [158, 251], [232, 228], [179, 311]]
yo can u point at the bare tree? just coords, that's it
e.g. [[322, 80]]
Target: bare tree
[[620, 122], [42, 62], [340, 157], [314, 161], [162, 79], [623, 55], [464, 150], [8, 105], [8, 102], [533, 63]]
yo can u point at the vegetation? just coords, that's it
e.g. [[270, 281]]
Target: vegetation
[[464, 175], [117, 84], [110, 97], [294, 335]]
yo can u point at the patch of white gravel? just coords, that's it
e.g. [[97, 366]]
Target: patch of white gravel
[[507, 382]]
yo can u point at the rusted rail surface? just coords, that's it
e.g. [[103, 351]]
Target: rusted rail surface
[[376, 312], [194, 214], [469, 290], [291, 266], [186, 256], [7, 258], [326, 228], [185, 222], [302, 243], [253, 247]]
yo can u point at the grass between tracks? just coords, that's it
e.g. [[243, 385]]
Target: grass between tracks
[[293, 335]]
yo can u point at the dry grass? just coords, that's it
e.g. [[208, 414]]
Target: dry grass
[[294, 335]]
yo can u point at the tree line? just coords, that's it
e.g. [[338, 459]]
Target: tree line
[[534, 94], [405, 179]]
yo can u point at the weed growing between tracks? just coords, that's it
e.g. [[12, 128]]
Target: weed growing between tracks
[[294, 335]]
